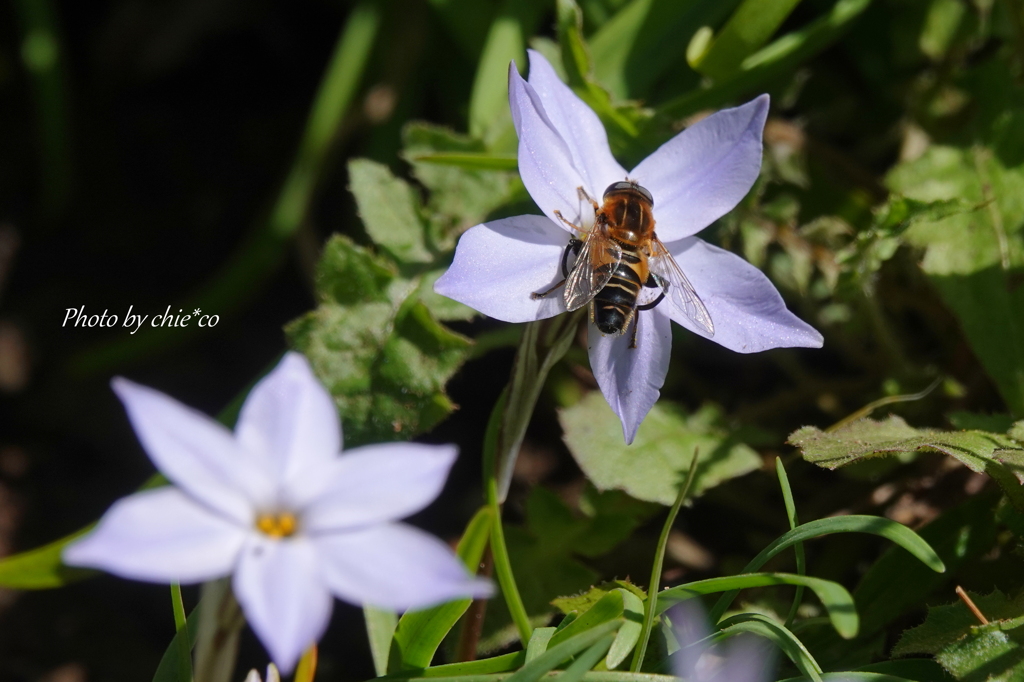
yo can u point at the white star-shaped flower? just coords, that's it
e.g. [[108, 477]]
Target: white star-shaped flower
[[693, 179], [274, 505]]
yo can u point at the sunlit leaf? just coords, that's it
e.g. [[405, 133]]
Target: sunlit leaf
[[653, 466]]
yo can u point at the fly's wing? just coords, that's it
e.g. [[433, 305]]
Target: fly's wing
[[678, 289], [593, 268]]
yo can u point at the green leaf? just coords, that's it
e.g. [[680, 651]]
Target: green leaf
[[975, 259], [981, 451], [988, 652], [460, 196], [647, 39], [376, 347], [834, 596], [380, 629], [170, 667], [875, 525], [779, 57], [666, 439], [389, 209], [629, 634], [420, 633], [749, 28], [918, 669], [538, 667], [41, 568], [608, 608], [470, 160], [592, 676], [779, 635], [854, 676], [946, 624]]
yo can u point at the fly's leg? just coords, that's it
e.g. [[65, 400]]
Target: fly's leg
[[573, 247], [653, 282], [636, 323], [582, 194]]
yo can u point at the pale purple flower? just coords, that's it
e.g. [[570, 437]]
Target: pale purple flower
[[275, 506], [694, 178], [744, 658]]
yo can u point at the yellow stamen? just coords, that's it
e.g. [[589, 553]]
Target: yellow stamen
[[278, 525]]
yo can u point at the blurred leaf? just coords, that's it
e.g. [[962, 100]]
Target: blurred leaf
[[998, 423], [980, 451], [506, 42], [646, 39], [776, 633], [41, 568], [170, 667], [946, 624], [380, 629], [471, 160], [863, 257], [621, 123], [749, 28], [975, 259], [918, 669], [389, 209], [666, 440], [780, 57], [420, 633], [442, 307], [833, 596], [897, 581], [376, 348], [940, 27]]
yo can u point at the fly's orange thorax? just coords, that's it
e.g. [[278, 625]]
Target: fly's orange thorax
[[627, 214]]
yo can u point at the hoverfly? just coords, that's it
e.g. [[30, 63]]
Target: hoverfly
[[620, 256]]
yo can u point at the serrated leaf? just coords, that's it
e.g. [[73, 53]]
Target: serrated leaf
[[989, 653], [948, 623], [975, 259], [383, 356], [459, 196], [389, 209], [869, 438], [651, 468]]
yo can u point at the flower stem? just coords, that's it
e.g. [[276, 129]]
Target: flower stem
[[503, 568], [180, 622], [651, 604]]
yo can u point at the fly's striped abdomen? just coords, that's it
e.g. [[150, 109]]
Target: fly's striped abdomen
[[615, 304]]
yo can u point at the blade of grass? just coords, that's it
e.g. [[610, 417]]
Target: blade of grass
[[779, 635], [659, 560], [184, 648], [874, 525], [798, 548]]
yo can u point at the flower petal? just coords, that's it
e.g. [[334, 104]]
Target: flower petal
[[703, 172], [160, 535], [284, 598], [578, 126], [545, 159], [395, 566], [747, 310], [195, 452], [377, 483], [631, 378], [499, 264], [289, 421]]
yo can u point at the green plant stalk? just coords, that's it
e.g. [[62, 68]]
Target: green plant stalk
[[503, 568], [659, 560], [798, 548], [181, 621], [262, 252]]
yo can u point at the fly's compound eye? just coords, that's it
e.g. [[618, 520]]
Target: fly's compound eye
[[629, 186]]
